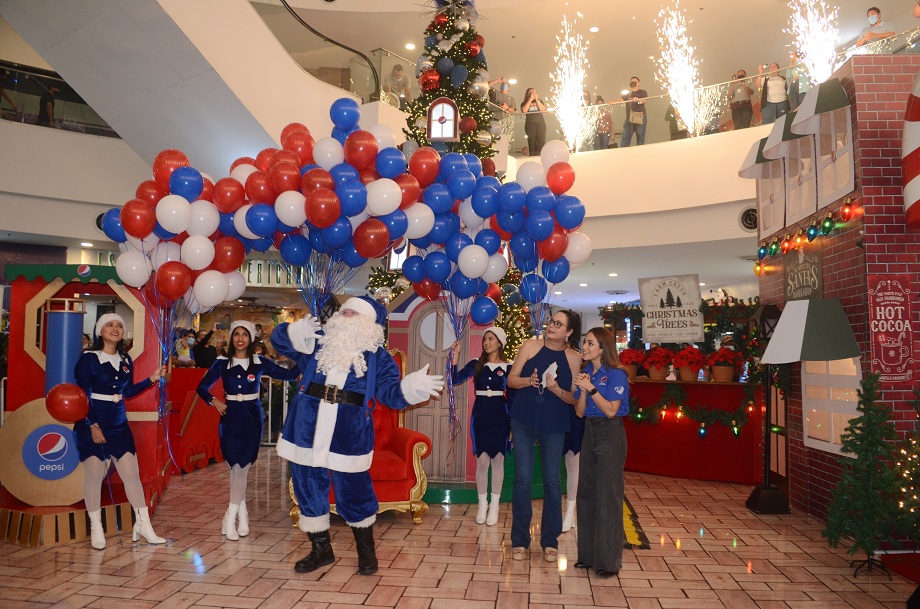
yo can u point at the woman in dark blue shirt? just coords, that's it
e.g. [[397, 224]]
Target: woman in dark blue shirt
[[602, 398]]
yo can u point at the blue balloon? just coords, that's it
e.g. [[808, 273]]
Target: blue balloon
[[337, 234], [345, 113], [438, 198], [162, 233], [483, 311], [186, 182], [555, 272], [343, 172], [262, 220], [487, 181], [437, 266], [540, 198], [340, 134], [295, 249], [488, 240], [451, 162], [441, 231], [522, 246], [540, 225], [396, 222], [527, 265], [512, 223], [413, 268], [454, 221], [461, 184], [514, 298], [226, 225], [308, 167], [483, 287], [421, 242], [511, 198], [352, 196], [462, 286], [455, 244], [533, 288], [445, 65], [458, 76], [284, 228], [569, 212], [111, 225], [474, 164], [390, 163], [485, 202], [262, 244], [317, 242], [350, 256]]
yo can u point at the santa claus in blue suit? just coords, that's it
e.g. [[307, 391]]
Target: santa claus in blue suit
[[328, 435]]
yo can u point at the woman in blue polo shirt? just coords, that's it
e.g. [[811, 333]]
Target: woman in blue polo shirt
[[602, 394]]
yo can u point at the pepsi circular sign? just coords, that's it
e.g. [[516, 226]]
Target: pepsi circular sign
[[50, 452]]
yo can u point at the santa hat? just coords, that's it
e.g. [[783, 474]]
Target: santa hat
[[246, 325], [368, 307], [100, 323], [500, 334]]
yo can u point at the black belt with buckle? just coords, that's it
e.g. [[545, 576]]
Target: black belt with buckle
[[334, 395]]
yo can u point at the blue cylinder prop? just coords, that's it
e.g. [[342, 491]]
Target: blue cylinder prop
[[63, 340]]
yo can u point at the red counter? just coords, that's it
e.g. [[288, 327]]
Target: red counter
[[674, 447]]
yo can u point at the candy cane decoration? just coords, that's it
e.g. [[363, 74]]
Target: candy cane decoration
[[910, 157]]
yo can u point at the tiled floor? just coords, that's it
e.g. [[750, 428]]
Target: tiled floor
[[708, 551]]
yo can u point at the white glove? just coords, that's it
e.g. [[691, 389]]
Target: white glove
[[420, 386], [303, 333]]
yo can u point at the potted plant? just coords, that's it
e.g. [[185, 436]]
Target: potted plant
[[724, 363], [657, 360], [631, 359], [688, 362]]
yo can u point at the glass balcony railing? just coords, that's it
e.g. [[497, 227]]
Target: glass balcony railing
[[22, 89]]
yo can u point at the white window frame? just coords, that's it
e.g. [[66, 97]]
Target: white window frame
[[812, 378], [801, 184], [771, 198], [838, 163]]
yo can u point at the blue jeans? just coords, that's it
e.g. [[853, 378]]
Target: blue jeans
[[629, 128], [773, 110], [601, 141], [524, 439]]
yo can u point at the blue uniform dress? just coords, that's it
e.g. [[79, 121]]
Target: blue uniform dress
[[107, 380], [240, 429], [490, 424]]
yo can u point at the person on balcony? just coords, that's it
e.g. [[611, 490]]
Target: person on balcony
[[636, 118], [534, 123], [328, 435], [397, 83], [774, 102], [877, 29], [740, 95], [46, 107], [241, 416]]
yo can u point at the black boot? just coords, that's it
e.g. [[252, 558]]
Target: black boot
[[320, 556], [367, 559]]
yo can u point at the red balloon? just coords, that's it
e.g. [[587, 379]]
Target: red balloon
[[493, 224], [259, 188], [285, 156], [316, 178], [67, 403], [229, 254], [323, 208], [228, 195], [264, 158], [243, 160], [150, 191], [180, 238], [560, 177], [553, 247], [494, 292], [360, 149], [427, 289], [468, 124], [138, 218], [165, 163], [285, 176], [293, 128], [300, 144], [368, 175], [424, 165], [411, 191], [173, 279], [152, 295], [207, 192], [488, 167], [372, 237]]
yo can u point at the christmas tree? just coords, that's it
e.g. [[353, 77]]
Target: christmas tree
[[453, 65], [865, 501], [909, 473], [514, 317]]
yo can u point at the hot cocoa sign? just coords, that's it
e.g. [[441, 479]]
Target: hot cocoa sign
[[890, 331]]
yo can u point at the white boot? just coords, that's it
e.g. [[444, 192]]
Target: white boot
[[243, 527], [228, 526], [96, 534], [492, 518], [483, 508], [568, 523], [143, 527]]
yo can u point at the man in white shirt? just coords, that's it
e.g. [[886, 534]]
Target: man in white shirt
[[877, 29]]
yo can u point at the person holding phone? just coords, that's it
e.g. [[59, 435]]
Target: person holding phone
[[205, 353], [534, 123], [774, 101]]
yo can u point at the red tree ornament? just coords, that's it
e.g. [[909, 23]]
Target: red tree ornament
[[440, 20], [472, 48], [468, 124], [429, 80]]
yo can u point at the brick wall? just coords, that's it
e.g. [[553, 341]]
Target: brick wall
[[874, 241]]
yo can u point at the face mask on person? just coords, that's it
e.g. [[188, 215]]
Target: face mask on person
[[191, 342], [634, 84], [873, 19]]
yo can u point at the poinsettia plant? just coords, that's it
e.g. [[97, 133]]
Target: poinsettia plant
[[658, 356], [727, 357], [632, 357], [689, 356]]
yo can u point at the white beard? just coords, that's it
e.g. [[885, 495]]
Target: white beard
[[344, 341]]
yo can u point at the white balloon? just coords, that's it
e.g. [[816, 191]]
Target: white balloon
[[165, 251], [384, 135], [239, 222], [133, 269], [356, 220], [473, 261], [290, 207], [174, 213], [197, 252], [383, 197], [498, 266], [579, 249], [206, 176], [145, 245], [237, 284], [555, 151], [205, 219], [421, 219], [191, 304], [211, 288], [467, 215], [530, 174], [243, 171], [328, 152]]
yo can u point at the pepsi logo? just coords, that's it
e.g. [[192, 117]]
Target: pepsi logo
[[49, 452], [84, 270], [251, 378], [52, 446]]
